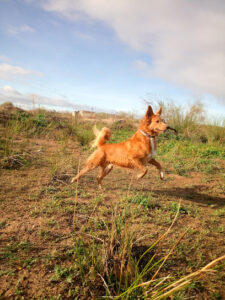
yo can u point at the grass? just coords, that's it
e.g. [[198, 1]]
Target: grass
[[76, 242], [141, 200], [190, 156]]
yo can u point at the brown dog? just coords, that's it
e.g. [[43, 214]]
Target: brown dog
[[135, 152]]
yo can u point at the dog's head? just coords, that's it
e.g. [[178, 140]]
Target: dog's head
[[152, 123]]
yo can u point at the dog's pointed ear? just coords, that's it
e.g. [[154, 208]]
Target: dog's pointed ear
[[159, 111], [149, 112]]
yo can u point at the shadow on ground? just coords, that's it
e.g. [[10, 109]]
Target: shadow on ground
[[191, 194]]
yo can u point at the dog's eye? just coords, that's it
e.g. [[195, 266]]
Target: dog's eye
[[157, 121]]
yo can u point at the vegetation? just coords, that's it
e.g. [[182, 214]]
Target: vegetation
[[144, 239]]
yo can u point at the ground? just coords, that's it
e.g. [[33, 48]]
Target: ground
[[55, 236]]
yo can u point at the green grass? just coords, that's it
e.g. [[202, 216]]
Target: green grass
[[121, 135], [220, 212], [141, 199], [188, 156], [188, 149]]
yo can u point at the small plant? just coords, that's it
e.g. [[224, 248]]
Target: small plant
[[183, 210], [83, 134], [9, 272], [63, 273], [15, 160], [19, 289], [141, 199], [220, 212], [3, 224], [180, 168], [40, 120]]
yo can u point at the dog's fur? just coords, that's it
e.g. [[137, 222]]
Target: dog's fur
[[135, 152]]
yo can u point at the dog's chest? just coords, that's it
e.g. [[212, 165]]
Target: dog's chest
[[152, 154]]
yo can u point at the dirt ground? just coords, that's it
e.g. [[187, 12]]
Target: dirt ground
[[37, 221]]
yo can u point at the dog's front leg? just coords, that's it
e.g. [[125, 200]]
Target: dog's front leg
[[139, 165], [158, 166]]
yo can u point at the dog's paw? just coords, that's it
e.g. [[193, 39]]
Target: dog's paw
[[73, 179], [161, 175], [139, 176]]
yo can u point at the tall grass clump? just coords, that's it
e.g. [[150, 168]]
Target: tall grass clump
[[184, 120], [28, 124], [216, 131], [43, 123], [112, 266], [12, 153], [83, 133]]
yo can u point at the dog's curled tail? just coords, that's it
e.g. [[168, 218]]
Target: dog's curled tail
[[102, 136]]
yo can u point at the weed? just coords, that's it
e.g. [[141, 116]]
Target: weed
[[51, 223], [3, 224], [220, 212], [11, 250], [221, 229], [83, 134], [217, 296], [19, 289], [43, 233], [9, 272], [142, 200], [63, 272], [180, 168], [28, 262], [40, 120], [183, 209]]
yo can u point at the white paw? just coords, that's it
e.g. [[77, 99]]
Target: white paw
[[108, 168], [161, 175]]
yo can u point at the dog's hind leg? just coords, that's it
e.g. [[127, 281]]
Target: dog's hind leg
[[93, 162], [158, 166], [83, 171], [105, 170]]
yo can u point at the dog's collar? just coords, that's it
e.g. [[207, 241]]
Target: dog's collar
[[147, 135]]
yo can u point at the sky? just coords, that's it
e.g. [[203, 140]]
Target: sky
[[112, 54]]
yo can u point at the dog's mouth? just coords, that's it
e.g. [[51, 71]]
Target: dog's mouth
[[160, 129]]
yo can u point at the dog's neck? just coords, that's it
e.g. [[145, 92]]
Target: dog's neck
[[147, 135], [152, 143]]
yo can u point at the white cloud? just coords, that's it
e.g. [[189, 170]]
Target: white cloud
[[8, 93], [9, 72], [184, 39], [20, 29]]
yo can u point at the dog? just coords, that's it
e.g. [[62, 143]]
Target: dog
[[135, 152]]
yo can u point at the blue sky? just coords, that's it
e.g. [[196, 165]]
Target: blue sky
[[112, 54]]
